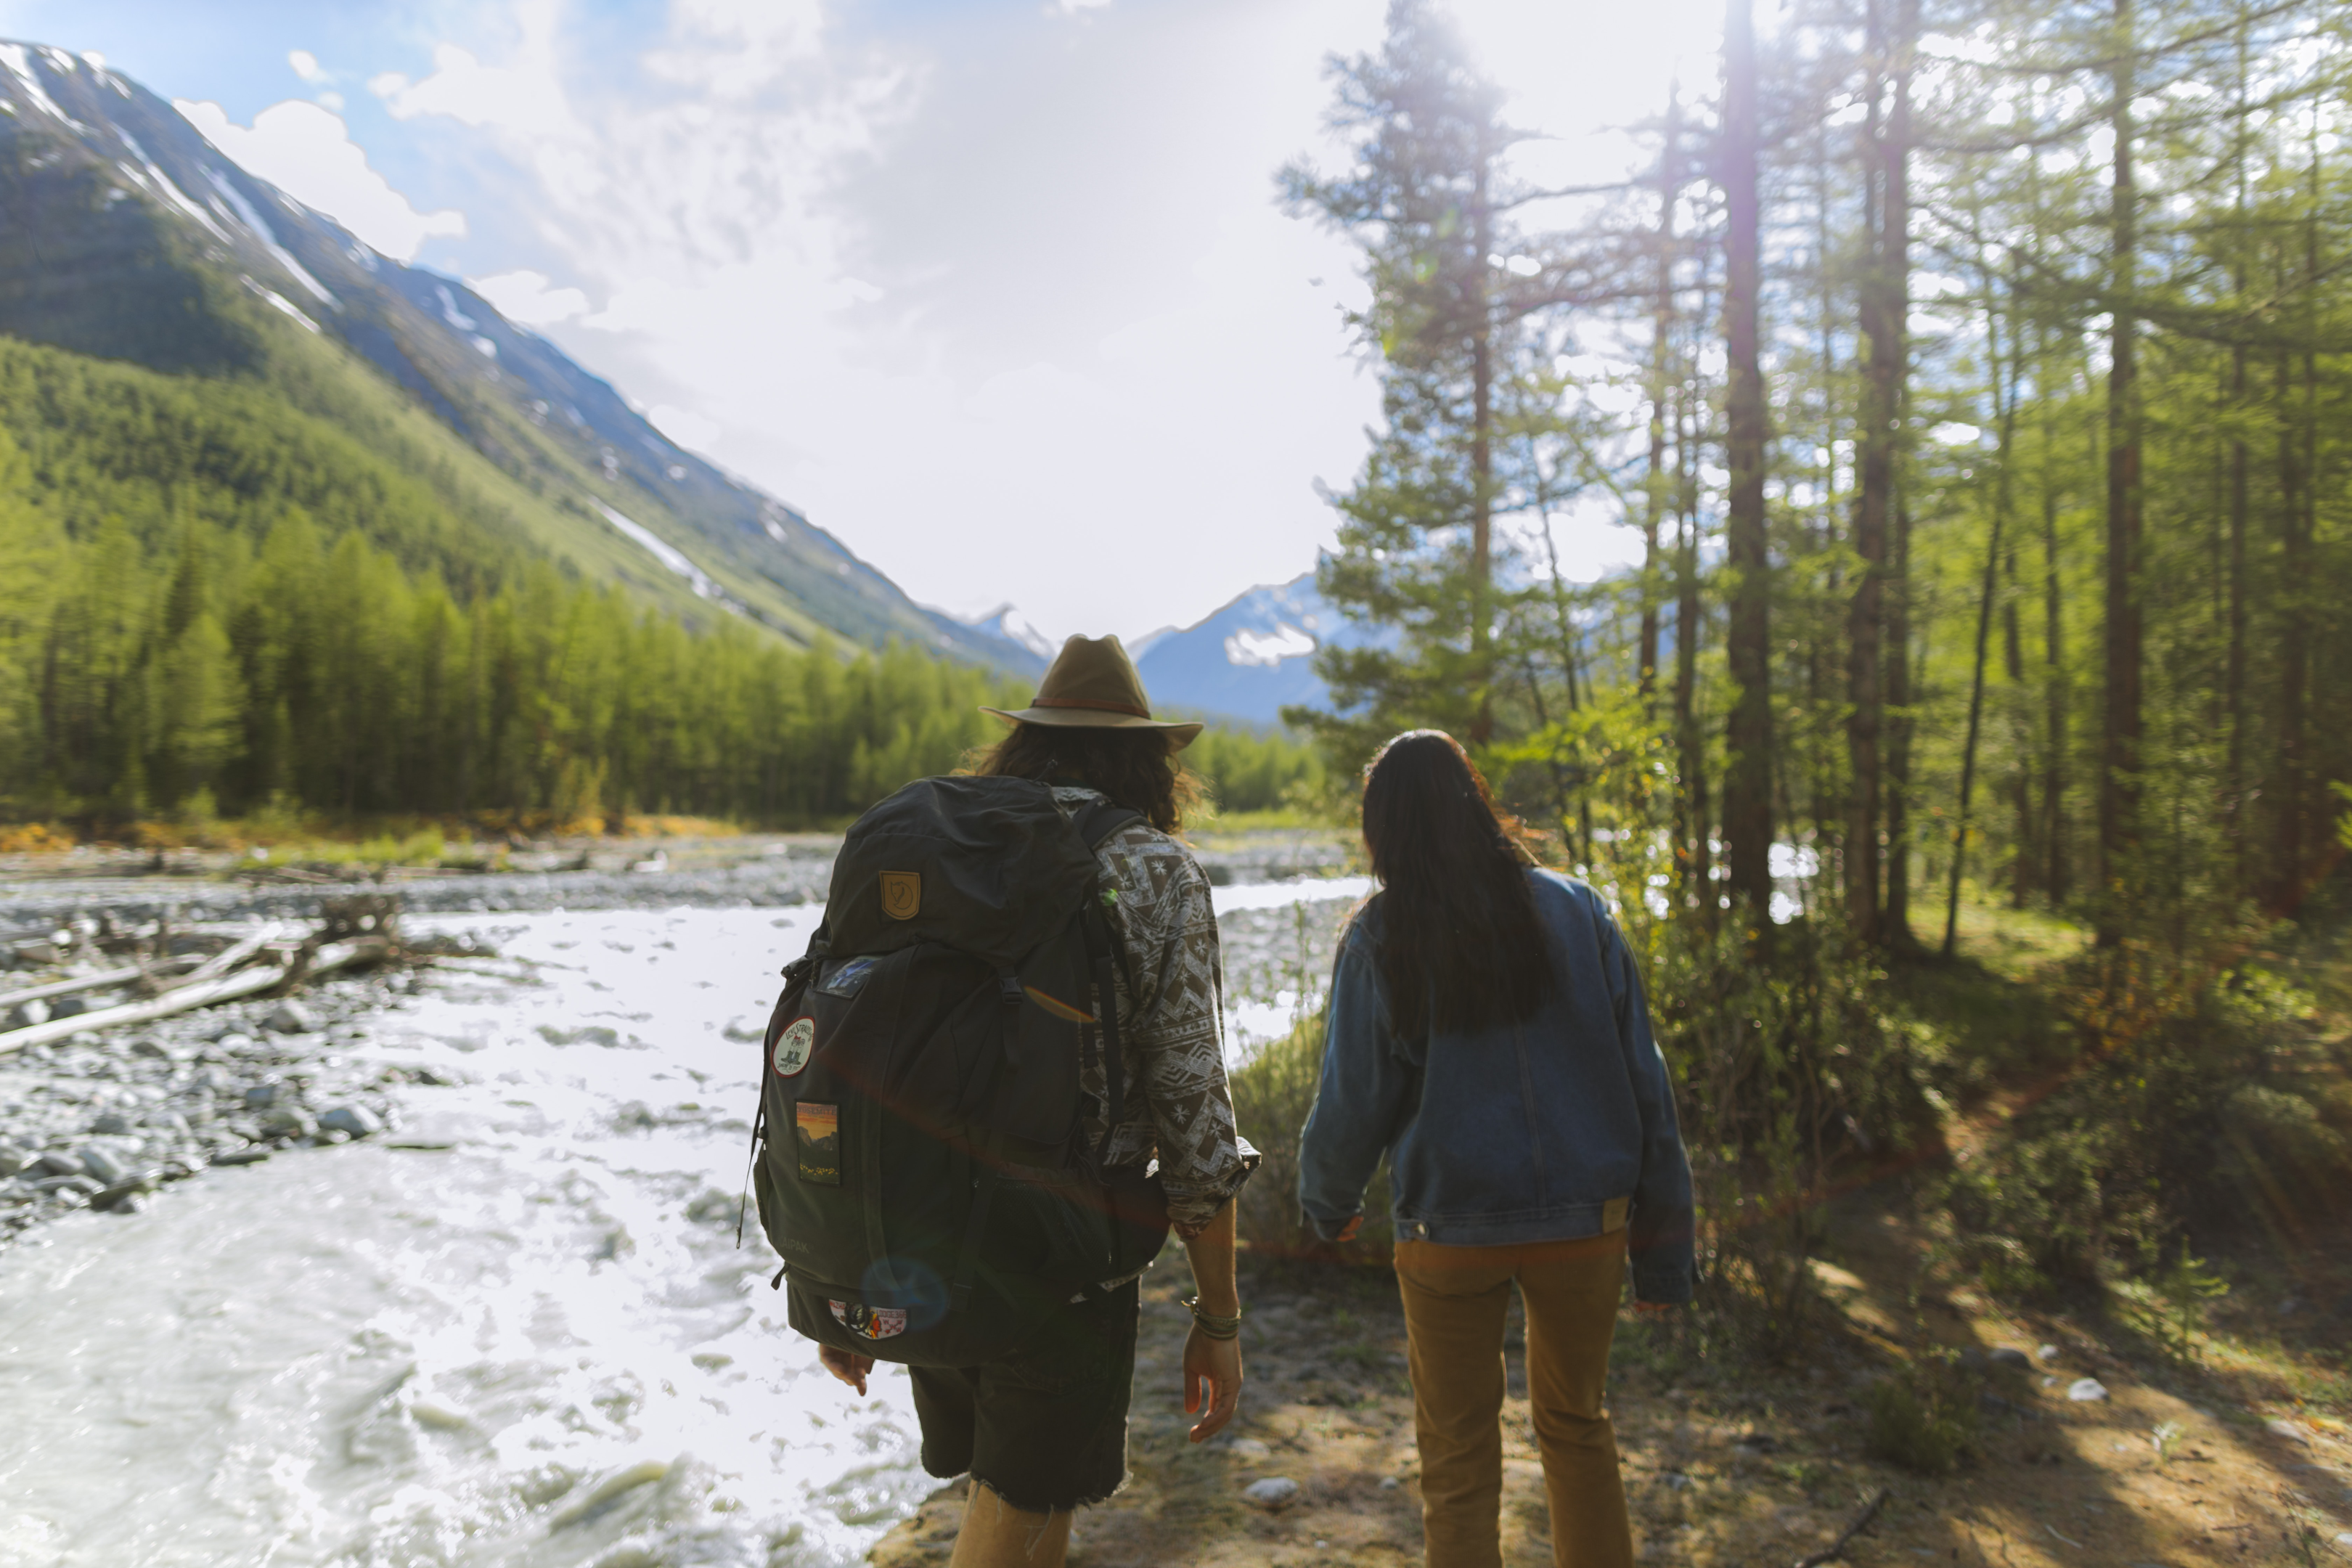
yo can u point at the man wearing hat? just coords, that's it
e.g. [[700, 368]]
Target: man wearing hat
[[1043, 1430]]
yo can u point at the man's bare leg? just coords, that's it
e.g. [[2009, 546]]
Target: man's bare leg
[[995, 1534]]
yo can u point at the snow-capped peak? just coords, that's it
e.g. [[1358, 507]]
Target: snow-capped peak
[[1013, 627]]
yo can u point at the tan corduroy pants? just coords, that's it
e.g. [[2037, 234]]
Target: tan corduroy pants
[[1454, 1300]]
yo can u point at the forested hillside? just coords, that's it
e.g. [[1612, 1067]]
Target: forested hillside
[[131, 237]]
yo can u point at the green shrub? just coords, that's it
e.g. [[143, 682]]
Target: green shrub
[[1272, 1095], [1923, 1415]]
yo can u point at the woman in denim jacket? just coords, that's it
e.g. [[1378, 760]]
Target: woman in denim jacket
[[1486, 1032]]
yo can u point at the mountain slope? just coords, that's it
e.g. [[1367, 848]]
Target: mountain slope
[[1249, 658], [128, 237]]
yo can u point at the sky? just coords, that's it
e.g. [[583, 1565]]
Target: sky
[[995, 290]]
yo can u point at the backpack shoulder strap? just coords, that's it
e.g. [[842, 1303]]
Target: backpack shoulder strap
[[1098, 820]]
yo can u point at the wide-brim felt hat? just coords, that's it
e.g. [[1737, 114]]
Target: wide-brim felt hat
[[1092, 685]]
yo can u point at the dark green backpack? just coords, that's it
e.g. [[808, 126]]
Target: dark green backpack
[[918, 1156]]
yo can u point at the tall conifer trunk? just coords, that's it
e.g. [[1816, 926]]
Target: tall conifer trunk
[[1662, 322], [1482, 451], [1748, 776], [1895, 927], [2121, 725]]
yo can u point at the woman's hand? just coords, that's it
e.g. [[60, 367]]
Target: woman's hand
[[1213, 1379], [849, 1366]]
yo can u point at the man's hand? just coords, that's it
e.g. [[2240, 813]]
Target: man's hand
[[1347, 1231], [1213, 1379], [848, 1366]]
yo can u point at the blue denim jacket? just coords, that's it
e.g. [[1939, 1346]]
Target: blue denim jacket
[[1546, 1130]]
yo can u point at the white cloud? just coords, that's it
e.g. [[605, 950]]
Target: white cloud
[[306, 66], [1011, 313], [305, 150], [524, 298]]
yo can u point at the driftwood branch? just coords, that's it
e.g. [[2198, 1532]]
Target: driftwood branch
[[111, 978], [186, 998], [1836, 1549]]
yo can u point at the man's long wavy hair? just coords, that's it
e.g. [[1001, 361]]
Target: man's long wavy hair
[[1462, 947], [1133, 768]]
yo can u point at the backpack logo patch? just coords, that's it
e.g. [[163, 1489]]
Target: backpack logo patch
[[817, 1130], [869, 1322], [902, 894], [795, 1046]]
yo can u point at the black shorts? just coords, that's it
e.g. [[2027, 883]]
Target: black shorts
[[1045, 1426]]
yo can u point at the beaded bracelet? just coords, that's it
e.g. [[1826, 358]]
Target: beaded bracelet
[[1212, 1325]]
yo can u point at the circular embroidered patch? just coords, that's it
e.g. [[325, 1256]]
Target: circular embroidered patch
[[795, 1046]]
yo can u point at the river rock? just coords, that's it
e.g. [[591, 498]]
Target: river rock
[[291, 1018], [13, 1159], [2084, 1390], [57, 1163], [1274, 1491], [71, 1006], [253, 1156], [357, 1120], [263, 1095], [2010, 1355], [288, 1121], [113, 1124], [103, 1163], [24, 1014]]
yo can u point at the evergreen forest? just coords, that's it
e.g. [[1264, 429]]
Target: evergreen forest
[[1973, 376], [212, 602], [1976, 376]]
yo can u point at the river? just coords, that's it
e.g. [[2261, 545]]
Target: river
[[528, 1338]]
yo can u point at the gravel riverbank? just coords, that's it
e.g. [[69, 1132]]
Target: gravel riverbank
[[103, 1120], [100, 1120]]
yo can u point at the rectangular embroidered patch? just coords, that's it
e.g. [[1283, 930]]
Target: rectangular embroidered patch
[[1614, 1214], [843, 977], [818, 1130], [869, 1322]]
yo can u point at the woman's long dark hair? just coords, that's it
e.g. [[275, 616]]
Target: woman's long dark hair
[[1461, 945], [1133, 768]]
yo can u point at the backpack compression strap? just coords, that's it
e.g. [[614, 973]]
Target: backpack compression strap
[[1096, 823], [983, 1166]]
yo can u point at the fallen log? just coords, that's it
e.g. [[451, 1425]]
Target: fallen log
[[186, 998], [68, 987], [229, 957]]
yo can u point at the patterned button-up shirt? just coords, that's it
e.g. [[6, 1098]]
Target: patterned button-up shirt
[[1175, 1103]]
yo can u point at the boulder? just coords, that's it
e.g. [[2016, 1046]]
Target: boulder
[[2084, 1390], [288, 1121], [103, 1163], [291, 1018], [1274, 1491], [356, 1120]]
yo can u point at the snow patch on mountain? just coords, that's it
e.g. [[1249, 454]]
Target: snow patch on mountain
[[1251, 657]]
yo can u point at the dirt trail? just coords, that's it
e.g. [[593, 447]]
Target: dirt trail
[[1759, 1469]]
